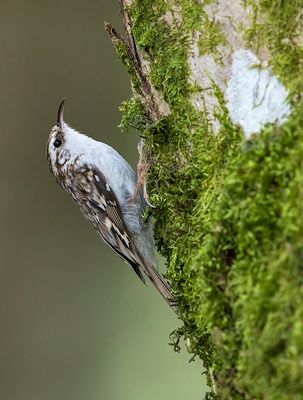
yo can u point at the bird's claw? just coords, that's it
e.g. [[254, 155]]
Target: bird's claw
[[142, 171]]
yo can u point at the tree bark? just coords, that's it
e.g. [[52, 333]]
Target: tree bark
[[217, 96]]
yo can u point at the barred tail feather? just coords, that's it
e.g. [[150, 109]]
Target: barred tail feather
[[161, 285]]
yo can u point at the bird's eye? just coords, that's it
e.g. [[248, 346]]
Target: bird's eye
[[57, 143]]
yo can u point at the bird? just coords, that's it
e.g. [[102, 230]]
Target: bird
[[104, 186]]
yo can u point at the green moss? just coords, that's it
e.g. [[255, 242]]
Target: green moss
[[211, 37], [133, 116], [166, 45], [153, 35], [251, 262], [278, 26], [228, 213]]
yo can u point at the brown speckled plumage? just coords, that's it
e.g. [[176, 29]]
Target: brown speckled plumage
[[103, 184]]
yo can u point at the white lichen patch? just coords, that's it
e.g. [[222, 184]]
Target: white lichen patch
[[213, 69], [219, 63], [255, 97]]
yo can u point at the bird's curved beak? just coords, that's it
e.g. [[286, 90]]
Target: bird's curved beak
[[60, 120]]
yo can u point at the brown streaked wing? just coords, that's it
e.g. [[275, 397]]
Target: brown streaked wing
[[111, 226]]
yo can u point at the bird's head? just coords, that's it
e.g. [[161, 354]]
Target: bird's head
[[64, 146]]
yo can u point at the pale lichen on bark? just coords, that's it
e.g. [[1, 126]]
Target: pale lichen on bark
[[255, 97], [230, 18], [228, 68]]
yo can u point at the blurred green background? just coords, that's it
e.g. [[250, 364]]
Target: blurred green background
[[76, 323]]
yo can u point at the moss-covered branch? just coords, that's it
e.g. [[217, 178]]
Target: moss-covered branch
[[228, 214]]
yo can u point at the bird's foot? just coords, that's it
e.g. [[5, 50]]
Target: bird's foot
[[142, 171]]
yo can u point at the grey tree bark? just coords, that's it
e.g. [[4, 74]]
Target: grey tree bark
[[217, 95]]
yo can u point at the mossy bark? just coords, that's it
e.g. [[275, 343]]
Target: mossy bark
[[228, 214]]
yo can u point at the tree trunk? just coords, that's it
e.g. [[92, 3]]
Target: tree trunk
[[218, 98]]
